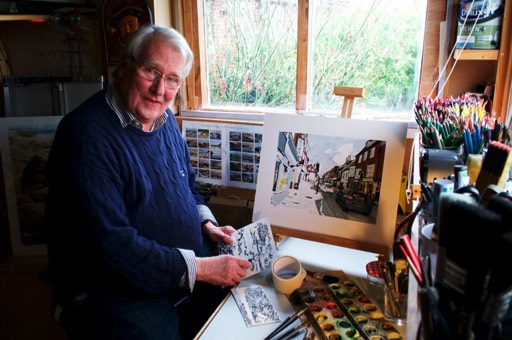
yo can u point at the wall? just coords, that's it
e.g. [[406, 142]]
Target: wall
[[43, 48], [36, 49]]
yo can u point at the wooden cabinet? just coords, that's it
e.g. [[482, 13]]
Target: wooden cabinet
[[468, 69]]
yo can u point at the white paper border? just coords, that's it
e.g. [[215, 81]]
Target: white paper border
[[393, 133]]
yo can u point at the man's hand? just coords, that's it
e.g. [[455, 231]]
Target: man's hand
[[219, 234], [222, 270]]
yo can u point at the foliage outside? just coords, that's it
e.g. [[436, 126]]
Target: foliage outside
[[252, 52]]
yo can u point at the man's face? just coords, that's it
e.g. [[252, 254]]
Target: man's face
[[145, 99], [127, 25]]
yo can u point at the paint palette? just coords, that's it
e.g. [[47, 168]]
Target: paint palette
[[340, 310]]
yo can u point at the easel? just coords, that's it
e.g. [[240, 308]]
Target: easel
[[349, 93]]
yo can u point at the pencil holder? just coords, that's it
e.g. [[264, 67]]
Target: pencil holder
[[375, 283]]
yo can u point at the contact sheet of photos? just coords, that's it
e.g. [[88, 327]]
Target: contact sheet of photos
[[224, 154]]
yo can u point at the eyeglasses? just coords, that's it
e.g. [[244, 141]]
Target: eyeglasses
[[152, 74]]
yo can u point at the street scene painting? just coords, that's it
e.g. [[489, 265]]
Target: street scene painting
[[331, 176]]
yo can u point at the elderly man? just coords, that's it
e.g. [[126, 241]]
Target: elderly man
[[131, 244]]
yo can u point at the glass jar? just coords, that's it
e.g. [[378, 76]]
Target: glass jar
[[375, 283]]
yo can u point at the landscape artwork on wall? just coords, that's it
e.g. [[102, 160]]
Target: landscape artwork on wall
[[331, 177], [25, 144]]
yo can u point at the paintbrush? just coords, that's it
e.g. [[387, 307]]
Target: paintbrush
[[498, 298], [417, 274], [463, 266], [292, 333], [412, 257], [288, 321], [501, 204], [495, 166]]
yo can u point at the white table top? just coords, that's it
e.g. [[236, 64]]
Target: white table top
[[227, 323]]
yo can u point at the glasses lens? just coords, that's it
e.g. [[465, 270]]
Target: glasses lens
[[152, 74], [172, 82]]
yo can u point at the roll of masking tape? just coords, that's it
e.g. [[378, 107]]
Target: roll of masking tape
[[287, 274]]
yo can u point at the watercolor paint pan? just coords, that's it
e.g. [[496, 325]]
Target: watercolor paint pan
[[342, 311], [324, 313], [364, 311]]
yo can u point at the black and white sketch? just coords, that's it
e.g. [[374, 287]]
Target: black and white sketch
[[254, 305], [255, 243]]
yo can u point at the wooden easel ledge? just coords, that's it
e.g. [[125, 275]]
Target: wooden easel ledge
[[349, 93]]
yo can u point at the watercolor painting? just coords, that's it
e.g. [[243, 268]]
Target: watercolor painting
[[328, 175], [25, 144], [331, 177]]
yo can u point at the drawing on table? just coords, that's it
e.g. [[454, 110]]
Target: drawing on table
[[254, 305]]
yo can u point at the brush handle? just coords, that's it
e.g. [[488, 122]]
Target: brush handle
[[495, 166], [417, 274], [411, 255]]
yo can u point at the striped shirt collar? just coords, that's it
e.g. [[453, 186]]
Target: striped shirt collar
[[126, 117]]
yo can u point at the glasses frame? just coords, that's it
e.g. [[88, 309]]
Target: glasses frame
[[152, 74]]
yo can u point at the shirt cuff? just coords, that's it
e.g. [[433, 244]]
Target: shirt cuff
[[190, 260]]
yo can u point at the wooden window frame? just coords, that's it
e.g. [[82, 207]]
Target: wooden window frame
[[187, 16]]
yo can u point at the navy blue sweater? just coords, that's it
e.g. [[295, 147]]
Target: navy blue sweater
[[120, 201]]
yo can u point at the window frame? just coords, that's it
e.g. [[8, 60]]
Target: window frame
[[194, 90], [186, 16]]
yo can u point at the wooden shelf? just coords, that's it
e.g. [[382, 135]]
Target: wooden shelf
[[24, 17], [482, 66], [460, 54]]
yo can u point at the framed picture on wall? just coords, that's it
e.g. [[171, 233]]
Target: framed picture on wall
[[120, 19], [332, 180], [25, 143], [224, 154]]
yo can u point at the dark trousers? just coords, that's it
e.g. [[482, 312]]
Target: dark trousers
[[197, 309], [112, 316]]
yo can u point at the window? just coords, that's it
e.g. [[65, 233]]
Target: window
[[251, 53], [287, 55]]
